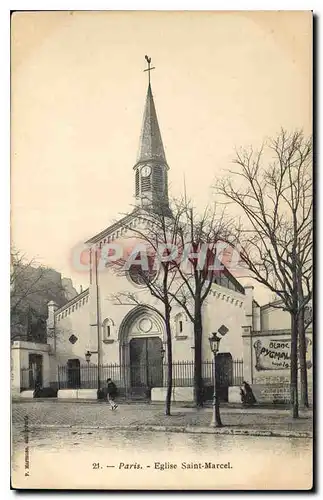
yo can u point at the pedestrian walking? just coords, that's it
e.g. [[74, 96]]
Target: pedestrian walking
[[111, 393]]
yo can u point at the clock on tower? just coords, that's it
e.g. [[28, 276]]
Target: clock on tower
[[146, 171]]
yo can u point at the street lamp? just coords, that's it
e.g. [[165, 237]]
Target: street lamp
[[214, 340], [88, 355]]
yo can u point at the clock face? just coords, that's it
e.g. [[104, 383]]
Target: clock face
[[146, 171]]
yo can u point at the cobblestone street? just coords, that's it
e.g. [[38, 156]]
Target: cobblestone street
[[70, 451], [86, 445], [98, 414]]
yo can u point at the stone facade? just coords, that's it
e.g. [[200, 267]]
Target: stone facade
[[74, 331], [95, 328]]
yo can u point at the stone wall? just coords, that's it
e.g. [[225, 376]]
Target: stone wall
[[20, 351]]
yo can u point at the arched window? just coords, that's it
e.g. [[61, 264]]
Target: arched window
[[107, 329], [180, 325]]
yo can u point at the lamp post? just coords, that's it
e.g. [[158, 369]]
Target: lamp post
[[88, 355], [88, 359], [214, 340]]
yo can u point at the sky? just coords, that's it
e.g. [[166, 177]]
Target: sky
[[222, 80]]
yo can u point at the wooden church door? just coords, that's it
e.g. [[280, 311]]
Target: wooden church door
[[146, 362]]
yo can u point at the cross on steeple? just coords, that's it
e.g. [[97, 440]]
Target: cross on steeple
[[149, 69]]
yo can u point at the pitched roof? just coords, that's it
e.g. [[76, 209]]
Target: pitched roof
[[72, 301], [113, 227]]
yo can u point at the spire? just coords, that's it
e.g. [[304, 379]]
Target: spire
[[151, 144], [151, 184]]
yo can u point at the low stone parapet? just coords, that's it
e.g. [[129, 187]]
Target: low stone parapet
[[183, 394], [27, 394], [85, 394], [67, 394], [234, 395], [179, 394]]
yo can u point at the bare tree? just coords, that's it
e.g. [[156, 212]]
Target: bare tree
[[304, 321], [158, 232], [199, 237], [273, 189], [187, 278]]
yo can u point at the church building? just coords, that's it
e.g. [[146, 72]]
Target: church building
[[92, 328], [126, 340]]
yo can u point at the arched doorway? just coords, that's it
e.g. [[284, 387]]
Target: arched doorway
[[141, 338]]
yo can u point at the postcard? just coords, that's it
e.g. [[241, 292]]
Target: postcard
[[161, 250]]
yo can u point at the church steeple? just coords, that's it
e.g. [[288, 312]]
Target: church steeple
[[151, 144], [151, 185]]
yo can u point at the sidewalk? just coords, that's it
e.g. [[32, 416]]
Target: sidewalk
[[144, 417]]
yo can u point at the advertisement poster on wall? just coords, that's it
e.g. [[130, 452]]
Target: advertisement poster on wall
[[274, 354]]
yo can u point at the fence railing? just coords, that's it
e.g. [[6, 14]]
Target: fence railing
[[139, 376]]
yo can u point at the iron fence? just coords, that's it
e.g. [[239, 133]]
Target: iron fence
[[143, 375], [146, 375]]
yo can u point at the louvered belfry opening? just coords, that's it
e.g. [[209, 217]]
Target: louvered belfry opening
[[158, 179], [137, 182], [145, 184]]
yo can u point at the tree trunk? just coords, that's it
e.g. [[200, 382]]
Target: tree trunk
[[169, 366], [302, 360], [302, 347], [293, 367], [198, 381]]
